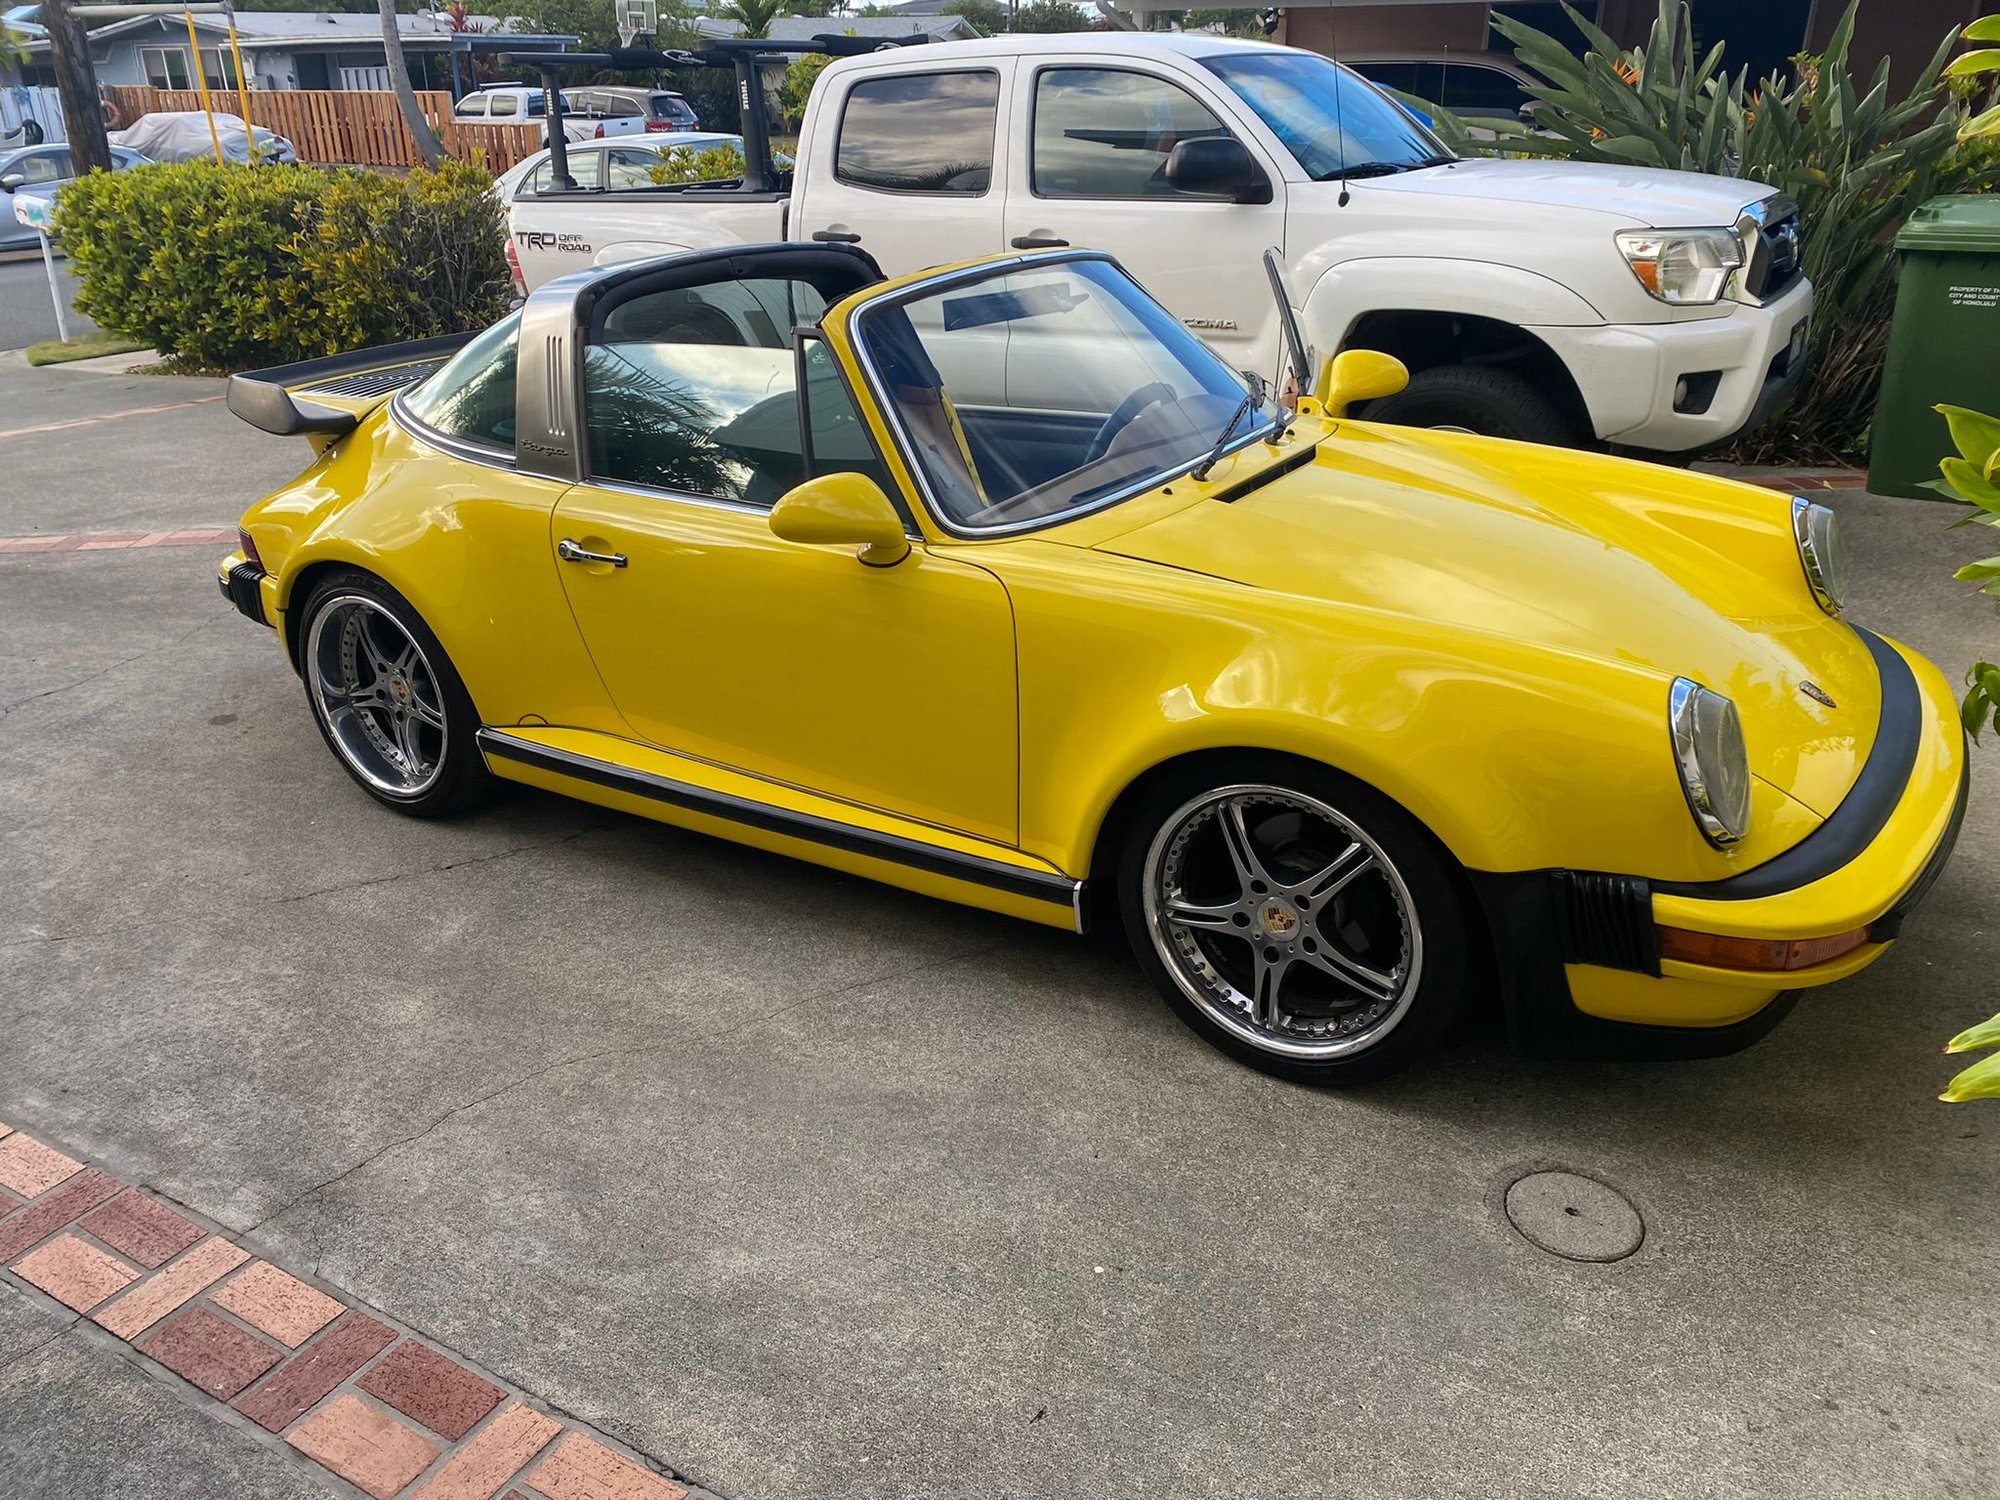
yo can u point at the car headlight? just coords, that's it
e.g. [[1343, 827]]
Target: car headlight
[[1714, 766], [1821, 552], [1687, 267]]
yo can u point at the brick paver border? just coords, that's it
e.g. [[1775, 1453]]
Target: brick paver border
[[327, 1378]]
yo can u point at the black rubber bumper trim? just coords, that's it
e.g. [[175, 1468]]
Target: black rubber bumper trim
[[1867, 807], [1057, 890], [1889, 926], [242, 587]]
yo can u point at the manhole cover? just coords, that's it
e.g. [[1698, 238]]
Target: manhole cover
[[1575, 1217]]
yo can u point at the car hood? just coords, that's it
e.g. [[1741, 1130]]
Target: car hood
[[1642, 196], [1650, 569]]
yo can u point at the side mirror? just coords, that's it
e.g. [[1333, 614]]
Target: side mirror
[[11, 181], [1217, 166], [843, 510], [1359, 375]]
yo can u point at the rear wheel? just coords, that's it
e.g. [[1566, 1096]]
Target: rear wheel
[[1477, 398], [387, 700], [1297, 919]]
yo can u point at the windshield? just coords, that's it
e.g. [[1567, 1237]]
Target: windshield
[[1036, 393], [1335, 123]]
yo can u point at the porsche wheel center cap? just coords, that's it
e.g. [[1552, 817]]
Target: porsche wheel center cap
[[1280, 921], [401, 689]]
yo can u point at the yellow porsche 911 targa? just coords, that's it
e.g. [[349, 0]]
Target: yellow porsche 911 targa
[[995, 583]]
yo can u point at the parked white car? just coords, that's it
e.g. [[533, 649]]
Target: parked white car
[[184, 135], [1547, 300], [517, 104]]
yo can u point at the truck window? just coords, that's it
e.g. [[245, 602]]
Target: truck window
[[920, 133], [584, 166], [473, 108], [504, 104], [1106, 132]]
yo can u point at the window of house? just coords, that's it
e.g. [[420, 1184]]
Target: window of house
[[218, 68], [920, 133], [1106, 133], [166, 67]]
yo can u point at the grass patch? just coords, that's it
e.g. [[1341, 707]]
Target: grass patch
[[56, 352]]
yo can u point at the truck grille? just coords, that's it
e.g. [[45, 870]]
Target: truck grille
[[1777, 249]]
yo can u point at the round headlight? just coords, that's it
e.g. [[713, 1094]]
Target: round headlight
[[1821, 552], [1714, 766]]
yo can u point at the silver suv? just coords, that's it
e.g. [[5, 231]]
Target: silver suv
[[633, 111]]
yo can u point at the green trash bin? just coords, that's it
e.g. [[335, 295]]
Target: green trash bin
[[1944, 345]]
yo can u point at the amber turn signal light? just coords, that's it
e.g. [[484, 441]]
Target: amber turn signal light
[[1770, 955]]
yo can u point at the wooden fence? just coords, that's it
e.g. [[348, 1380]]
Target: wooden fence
[[355, 127]]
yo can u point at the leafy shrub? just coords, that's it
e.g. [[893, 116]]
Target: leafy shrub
[[225, 267], [1855, 162], [800, 77]]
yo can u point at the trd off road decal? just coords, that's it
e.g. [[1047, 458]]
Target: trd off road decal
[[569, 244]]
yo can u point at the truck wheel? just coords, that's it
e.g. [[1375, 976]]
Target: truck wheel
[[1474, 398]]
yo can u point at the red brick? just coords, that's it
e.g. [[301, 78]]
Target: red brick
[[580, 1469], [76, 1197], [210, 1354], [5, 1130], [276, 1302], [503, 1448], [30, 1168], [440, 1393], [352, 1342], [143, 1306], [371, 1450], [142, 1229], [75, 1274]]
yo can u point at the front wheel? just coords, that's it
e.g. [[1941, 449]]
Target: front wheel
[[1298, 920], [387, 700], [1477, 398]]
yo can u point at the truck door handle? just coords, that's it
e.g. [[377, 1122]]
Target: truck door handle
[[836, 237], [568, 551], [1038, 242]]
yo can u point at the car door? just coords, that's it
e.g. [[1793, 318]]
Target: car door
[[1097, 138], [910, 166], [893, 687]]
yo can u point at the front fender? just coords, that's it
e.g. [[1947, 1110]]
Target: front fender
[[1346, 290]]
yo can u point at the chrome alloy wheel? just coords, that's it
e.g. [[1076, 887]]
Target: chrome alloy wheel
[[377, 695], [1283, 921]]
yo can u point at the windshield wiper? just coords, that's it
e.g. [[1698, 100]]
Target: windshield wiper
[[1253, 399], [1384, 168]]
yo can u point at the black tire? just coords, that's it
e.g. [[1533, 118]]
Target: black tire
[[1437, 954], [451, 781], [1478, 398]]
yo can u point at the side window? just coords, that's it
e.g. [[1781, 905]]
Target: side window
[[472, 397], [1106, 133], [1482, 90], [586, 167], [473, 108], [841, 443], [503, 104], [46, 166], [1400, 76], [920, 133], [629, 168], [694, 389]]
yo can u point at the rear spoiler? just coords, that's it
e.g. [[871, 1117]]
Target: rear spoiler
[[269, 399]]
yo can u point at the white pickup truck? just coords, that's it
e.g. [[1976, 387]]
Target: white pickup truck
[[1558, 302]]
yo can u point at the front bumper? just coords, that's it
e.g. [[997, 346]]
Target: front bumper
[[1578, 952], [1628, 372]]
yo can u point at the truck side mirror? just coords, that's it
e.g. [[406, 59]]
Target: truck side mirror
[[1360, 375], [1217, 166]]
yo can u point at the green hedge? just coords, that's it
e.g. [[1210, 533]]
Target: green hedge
[[226, 267]]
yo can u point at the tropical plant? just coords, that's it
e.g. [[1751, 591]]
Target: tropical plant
[[754, 16], [1981, 67], [987, 17], [1049, 16], [797, 88], [685, 165], [1854, 161]]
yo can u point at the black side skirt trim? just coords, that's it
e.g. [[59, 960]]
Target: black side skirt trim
[[1057, 890], [1852, 826]]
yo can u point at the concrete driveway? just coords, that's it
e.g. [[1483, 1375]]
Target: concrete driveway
[[813, 1188]]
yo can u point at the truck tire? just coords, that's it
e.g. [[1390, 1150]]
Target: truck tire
[[1476, 398]]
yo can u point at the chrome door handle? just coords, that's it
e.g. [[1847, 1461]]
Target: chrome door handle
[[568, 551]]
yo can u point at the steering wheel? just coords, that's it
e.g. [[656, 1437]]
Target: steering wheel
[[1119, 420]]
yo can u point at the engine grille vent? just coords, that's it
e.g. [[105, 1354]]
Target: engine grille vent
[[374, 382], [1606, 920]]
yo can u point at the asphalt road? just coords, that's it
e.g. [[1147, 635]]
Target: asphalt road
[[815, 1188], [26, 313]]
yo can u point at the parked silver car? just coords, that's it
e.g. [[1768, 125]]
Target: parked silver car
[[41, 170]]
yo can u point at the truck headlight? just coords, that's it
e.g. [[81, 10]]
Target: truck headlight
[[1821, 552], [1687, 267], [1714, 766]]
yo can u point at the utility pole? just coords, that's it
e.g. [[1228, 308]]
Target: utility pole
[[83, 115]]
